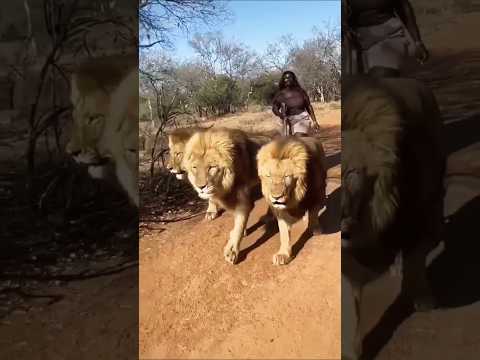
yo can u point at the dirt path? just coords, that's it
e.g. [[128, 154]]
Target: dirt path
[[95, 319], [195, 305]]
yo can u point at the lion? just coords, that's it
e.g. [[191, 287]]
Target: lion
[[104, 94], [393, 165], [220, 165], [293, 175], [177, 139]]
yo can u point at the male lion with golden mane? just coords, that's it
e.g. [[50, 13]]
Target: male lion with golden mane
[[393, 167], [293, 177], [221, 167], [177, 139], [104, 94]]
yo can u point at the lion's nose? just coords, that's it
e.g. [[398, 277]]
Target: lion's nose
[[203, 187], [276, 197], [75, 152]]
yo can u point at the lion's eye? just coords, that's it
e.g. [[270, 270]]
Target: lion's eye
[[268, 175], [194, 167], [178, 154]]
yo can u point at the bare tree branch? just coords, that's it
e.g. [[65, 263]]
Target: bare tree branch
[[160, 19]]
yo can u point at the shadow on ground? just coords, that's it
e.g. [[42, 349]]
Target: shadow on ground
[[453, 275]]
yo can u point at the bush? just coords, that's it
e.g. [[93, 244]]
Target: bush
[[220, 95], [264, 88]]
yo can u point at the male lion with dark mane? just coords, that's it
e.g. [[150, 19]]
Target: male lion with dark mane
[[293, 177], [393, 167], [221, 167], [177, 139]]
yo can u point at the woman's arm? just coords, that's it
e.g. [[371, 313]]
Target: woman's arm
[[405, 12], [276, 106]]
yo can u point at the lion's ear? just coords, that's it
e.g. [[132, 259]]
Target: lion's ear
[[300, 188]]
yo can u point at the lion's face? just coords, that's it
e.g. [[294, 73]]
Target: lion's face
[[174, 162], [278, 186], [206, 174], [89, 116], [282, 171], [209, 164]]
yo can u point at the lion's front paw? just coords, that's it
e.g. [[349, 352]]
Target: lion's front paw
[[212, 215], [281, 258], [230, 254]]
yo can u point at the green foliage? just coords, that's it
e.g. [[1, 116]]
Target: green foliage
[[264, 88], [219, 94]]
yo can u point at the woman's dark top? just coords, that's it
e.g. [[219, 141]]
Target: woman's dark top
[[296, 100], [371, 12]]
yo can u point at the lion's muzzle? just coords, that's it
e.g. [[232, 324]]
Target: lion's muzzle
[[278, 202], [204, 192]]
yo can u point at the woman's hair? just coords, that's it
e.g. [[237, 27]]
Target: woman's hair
[[295, 85], [281, 84]]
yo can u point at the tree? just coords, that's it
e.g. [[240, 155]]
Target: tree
[[159, 19], [158, 81], [264, 88], [317, 64], [226, 57], [220, 95], [279, 55]]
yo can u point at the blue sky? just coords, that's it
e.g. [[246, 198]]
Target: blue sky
[[258, 22]]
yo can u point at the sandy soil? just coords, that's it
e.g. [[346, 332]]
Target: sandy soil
[[195, 305], [93, 319]]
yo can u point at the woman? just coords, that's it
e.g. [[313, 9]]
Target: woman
[[386, 32], [299, 111]]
